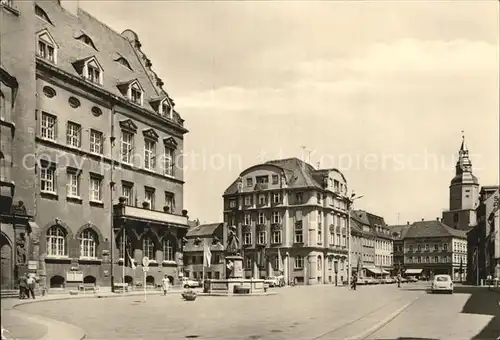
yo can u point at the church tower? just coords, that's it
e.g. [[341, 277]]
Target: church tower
[[464, 193]]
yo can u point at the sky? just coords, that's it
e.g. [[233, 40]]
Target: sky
[[380, 90]]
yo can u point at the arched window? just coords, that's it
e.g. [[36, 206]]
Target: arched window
[[88, 243], [148, 247], [124, 243], [168, 250], [56, 241], [320, 263]]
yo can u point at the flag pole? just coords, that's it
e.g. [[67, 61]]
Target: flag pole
[[204, 261]]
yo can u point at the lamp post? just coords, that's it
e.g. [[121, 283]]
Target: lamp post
[[111, 188], [336, 267], [349, 208]]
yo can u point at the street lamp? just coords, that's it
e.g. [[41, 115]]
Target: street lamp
[[349, 207]]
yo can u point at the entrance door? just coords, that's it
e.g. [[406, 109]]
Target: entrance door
[[6, 267]]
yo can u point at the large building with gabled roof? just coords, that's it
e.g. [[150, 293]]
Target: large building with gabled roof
[[94, 155], [291, 220]]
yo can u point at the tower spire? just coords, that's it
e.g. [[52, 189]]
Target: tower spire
[[463, 147]]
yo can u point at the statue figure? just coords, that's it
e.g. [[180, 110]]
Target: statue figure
[[240, 184], [233, 243], [21, 250]]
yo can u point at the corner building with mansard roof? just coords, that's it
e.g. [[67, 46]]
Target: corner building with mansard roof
[[291, 220], [84, 95]]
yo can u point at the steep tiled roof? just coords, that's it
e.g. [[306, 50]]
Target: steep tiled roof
[[432, 229], [398, 232], [203, 230], [109, 47], [302, 173]]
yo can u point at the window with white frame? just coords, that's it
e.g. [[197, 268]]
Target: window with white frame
[[56, 241], [149, 154], [168, 162], [277, 263], [127, 192], [46, 48], [73, 135], [95, 189], [262, 199], [248, 200], [232, 203], [96, 142], [261, 238], [168, 250], [247, 220], [149, 196], [170, 201], [319, 235], [332, 238], [73, 183], [136, 94], [48, 126], [299, 262], [247, 238], [276, 217], [299, 234], [127, 144], [276, 236], [248, 262], [275, 179], [249, 181], [148, 248], [261, 218], [48, 178], [94, 74], [88, 244], [338, 241], [123, 243], [276, 197], [165, 110], [445, 247]]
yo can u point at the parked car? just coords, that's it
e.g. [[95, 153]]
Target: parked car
[[272, 281], [388, 280], [371, 281], [404, 280], [188, 283], [442, 283], [360, 281], [412, 279]]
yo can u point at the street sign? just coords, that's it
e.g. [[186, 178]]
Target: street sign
[[145, 269], [145, 261]]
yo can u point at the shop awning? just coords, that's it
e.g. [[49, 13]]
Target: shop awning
[[413, 271], [376, 270]]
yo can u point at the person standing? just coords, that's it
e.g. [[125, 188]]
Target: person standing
[[23, 287], [399, 280], [165, 284], [30, 280], [354, 281]]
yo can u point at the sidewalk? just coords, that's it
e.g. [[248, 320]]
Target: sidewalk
[[20, 325]]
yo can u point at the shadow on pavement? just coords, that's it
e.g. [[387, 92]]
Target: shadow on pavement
[[485, 302]]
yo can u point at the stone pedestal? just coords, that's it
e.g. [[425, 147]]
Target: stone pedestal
[[236, 272]]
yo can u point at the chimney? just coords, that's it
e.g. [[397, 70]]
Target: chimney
[[422, 219], [70, 5], [437, 219], [407, 222]]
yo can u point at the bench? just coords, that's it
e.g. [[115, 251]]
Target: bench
[[121, 287], [85, 287]]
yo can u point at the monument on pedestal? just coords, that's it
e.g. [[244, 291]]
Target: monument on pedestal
[[234, 261]]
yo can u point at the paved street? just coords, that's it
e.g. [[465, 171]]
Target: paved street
[[312, 313]]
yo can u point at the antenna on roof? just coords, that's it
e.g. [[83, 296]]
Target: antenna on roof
[[319, 165], [398, 219], [309, 157]]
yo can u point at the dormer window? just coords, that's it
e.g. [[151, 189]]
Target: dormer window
[[92, 71], [136, 95], [122, 61], [46, 46], [133, 91], [40, 13], [166, 111], [84, 38]]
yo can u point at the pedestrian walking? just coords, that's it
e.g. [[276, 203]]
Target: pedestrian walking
[[399, 280], [30, 280], [23, 287], [354, 281], [165, 284]]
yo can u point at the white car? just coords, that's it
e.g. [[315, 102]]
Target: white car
[[272, 281], [442, 283], [188, 283]]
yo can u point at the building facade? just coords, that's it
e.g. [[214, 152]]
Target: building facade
[[376, 241], [100, 145], [291, 220], [398, 255], [197, 237], [464, 194], [432, 247], [483, 239]]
